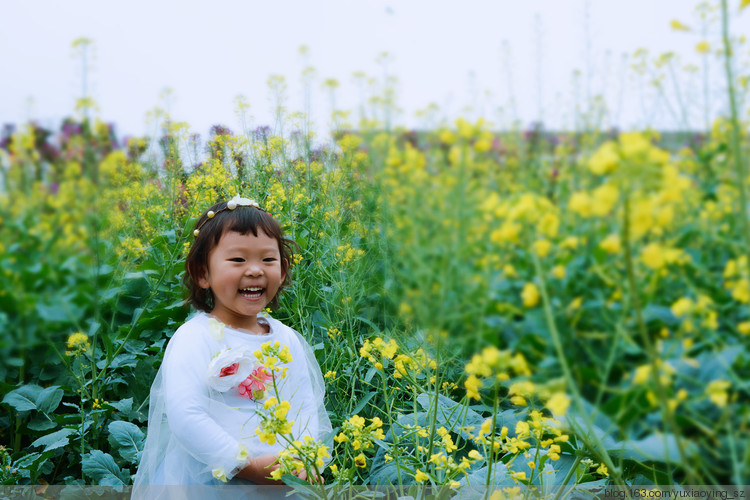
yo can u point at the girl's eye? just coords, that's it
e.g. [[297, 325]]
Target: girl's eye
[[237, 259], [269, 259]]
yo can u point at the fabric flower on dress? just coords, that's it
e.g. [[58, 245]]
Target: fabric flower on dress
[[230, 367], [254, 386]]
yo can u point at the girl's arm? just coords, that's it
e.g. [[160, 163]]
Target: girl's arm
[[187, 407]]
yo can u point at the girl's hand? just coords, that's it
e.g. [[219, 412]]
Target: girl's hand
[[314, 479], [258, 470]]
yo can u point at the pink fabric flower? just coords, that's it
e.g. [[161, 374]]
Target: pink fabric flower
[[229, 370], [254, 386]]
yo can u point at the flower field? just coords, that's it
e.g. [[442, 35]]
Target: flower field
[[516, 309]]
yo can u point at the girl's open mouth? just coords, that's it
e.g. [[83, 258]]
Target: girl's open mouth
[[252, 292]]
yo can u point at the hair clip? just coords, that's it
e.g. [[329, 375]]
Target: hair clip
[[232, 204]]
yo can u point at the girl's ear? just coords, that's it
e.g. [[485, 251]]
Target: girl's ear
[[203, 281]]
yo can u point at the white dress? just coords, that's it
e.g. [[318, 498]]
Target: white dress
[[195, 429]]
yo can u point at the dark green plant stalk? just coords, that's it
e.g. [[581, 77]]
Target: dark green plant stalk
[[735, 143]]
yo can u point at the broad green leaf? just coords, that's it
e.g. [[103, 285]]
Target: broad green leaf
[[41, 423], [451, 414], [102, 469], [24, 398], [28, 460], [476, 481], [49, 399], [654, 448], [124, 405], [55, 440], [127, 439]]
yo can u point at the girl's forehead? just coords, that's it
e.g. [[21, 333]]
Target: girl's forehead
[[235, 240]]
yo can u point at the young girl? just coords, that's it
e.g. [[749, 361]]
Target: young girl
[[204, 402]]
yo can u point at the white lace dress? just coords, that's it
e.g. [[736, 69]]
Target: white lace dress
[[195, 429]]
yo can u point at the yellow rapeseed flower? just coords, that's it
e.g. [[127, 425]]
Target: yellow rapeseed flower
[[421, 476], [530, 295], [717, 392], [678, 26], [611, 244], [682, 307], [360, 461], [357, 421], [558, 272], [558, 404], [605, 159], [580, 203], [473, 384], [542, 247], [77, 343]]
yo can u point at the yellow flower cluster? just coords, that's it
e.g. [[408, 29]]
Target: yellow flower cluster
[[358, 435], [494, 365], [274, 421], [378, 347], [292, 460], [702, 309], [717, 392], [78, 343], [271, 354], [418, 362], [544, 432], [736, 279]]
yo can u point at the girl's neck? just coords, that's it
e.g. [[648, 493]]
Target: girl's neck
[[258, 328]]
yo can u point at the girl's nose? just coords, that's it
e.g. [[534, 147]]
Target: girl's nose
[[253, 270]]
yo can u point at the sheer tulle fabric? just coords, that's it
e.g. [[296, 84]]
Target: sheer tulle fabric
[[195, 430]]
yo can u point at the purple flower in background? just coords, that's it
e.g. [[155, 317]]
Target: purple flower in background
[[220, 130], [262, 133], [70, 128], [49, 152]]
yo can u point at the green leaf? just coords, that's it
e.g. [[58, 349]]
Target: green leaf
[[451, 414], [476, 481], [102, 469], [52, 313], [363, 402], [124, 405], [28, 460], [54, 440], [654, 448], [127, 439], [41, 423], [49, 399], [24, 398]]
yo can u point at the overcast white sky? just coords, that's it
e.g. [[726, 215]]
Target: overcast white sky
[[449, 53]]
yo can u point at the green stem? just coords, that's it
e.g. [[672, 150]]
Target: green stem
[[567, 477], [491, 454], [735, 145], [653, 356], [598, 445]]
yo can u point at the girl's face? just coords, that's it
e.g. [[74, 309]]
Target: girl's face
[[244, 274]]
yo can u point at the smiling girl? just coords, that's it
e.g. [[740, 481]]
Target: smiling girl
[[204, 421]]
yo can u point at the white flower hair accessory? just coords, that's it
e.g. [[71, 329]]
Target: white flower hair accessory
[[230, 367], [232, 204]]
